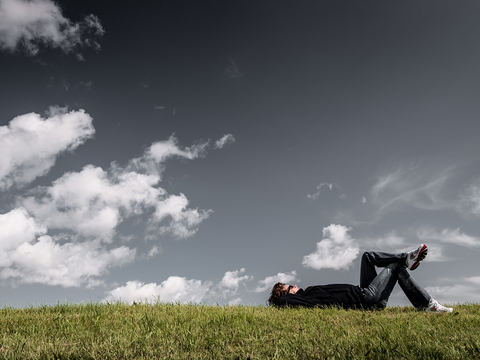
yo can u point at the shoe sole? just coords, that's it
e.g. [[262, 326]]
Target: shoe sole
[[420, 256]]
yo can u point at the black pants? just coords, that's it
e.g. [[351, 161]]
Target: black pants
[[377, 288]]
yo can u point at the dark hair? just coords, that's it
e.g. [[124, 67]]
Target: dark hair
[[277, 291]]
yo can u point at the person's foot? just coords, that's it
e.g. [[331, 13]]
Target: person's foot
[[435, 307], [415, 256]]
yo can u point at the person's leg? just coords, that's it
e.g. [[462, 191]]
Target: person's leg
[[380, 259], [378, 291], [414, 292]]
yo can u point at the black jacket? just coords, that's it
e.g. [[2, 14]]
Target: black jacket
[[343, 295]]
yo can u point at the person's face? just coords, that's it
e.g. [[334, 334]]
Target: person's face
[[291, 289]]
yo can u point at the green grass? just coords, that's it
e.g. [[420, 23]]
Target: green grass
[[168, 331]]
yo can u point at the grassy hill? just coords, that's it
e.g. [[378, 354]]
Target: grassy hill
[[169, 331]]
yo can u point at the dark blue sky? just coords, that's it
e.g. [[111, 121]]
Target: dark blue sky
[[376, 101]]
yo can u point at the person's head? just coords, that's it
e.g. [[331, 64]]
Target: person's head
[[280, 289]]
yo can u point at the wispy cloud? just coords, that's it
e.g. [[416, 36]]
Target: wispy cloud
[[225, 140], [317, 193], [412, 184], [449, 236], [232, 71], [470, 199], [30, 144], [29, 25], [336, 250]]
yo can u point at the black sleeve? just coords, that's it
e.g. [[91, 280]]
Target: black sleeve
[[293, 300]]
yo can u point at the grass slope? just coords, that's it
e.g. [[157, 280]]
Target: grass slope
[[168, 331]]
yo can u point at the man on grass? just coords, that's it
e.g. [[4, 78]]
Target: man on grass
[[374, 290]]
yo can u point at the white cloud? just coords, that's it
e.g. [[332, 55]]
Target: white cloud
[[184, 221], [319, 186], [154, 251], [231, 281], [159, 151], [336, 251], [16, 228], [30, 144], [35, 23], [269, 281], [46, 261], [225, 140], [174, 289], [93, 202], [64, 234], [180, 289], [26, 259], [235, 301]]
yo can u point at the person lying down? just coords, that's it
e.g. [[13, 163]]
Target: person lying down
[[374, 289]]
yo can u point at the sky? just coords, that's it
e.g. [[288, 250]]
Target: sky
[[200, 151]]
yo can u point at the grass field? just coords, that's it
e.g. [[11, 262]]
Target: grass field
[[169, 331]]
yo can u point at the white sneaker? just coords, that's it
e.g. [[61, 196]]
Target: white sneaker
[[435, 307], [415, 256]]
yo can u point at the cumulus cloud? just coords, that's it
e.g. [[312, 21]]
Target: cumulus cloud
[[174, 289], [93, 202], [64, 234], [317, 193], [46, 261], [231, 281], [269, 281], [16, 228], [182, 290], [154, 251], [225, 140], [336, 251], [235, 301], [32, 24], [184, 221], [30, 144], [26, 259]]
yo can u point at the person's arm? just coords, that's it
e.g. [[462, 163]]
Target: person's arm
[[294, 300]]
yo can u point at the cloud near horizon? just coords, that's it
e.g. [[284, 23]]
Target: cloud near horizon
[[180, 289], [30, 25]]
